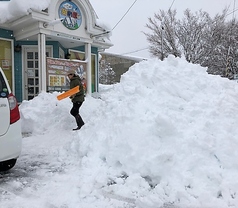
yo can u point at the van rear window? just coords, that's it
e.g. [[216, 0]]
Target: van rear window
[[3, 87]]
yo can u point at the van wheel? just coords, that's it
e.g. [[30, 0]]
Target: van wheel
[[7, 165]]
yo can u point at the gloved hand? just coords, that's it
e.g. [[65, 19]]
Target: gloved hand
[[72, 96]]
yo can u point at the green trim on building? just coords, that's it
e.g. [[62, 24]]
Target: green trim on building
[[6, 34]]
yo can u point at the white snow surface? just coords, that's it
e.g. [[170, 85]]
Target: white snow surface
[[165, 136], [18, 8]]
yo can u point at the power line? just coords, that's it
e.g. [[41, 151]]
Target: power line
[[142, 49], [117, 23], [123, 18], [232, 12], [124, 15]]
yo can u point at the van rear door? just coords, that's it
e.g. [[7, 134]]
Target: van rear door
[[4, 104]]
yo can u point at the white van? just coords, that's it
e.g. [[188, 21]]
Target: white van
[[10, 126]]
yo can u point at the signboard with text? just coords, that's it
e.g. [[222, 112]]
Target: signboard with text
[[57, 71]]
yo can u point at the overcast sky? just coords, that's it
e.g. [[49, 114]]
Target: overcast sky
[[127, 36]]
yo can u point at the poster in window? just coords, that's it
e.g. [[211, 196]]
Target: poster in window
[[5, 64]]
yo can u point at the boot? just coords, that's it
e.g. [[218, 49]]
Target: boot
[[76, 129], [79, 122]]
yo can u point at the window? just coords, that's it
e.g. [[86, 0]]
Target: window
[[6, 59]]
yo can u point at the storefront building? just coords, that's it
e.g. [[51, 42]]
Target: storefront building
[[37, 48]]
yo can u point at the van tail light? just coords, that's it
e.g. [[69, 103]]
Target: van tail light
[[14, 110]]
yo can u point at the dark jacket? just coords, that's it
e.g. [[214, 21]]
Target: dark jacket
[[78, 97]]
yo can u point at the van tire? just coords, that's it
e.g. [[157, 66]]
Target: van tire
[[7, 165]]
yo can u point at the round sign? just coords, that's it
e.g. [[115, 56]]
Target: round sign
[[70, 15]]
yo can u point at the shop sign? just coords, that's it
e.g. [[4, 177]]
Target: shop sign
[[70, 15], [57, 71]]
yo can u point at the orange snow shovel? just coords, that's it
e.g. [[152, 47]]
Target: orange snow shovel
[[68, 93]]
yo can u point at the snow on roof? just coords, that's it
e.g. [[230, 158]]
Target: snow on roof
[[18, 8], [134, 58]]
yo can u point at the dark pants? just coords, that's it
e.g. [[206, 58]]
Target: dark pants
[[75, 113]]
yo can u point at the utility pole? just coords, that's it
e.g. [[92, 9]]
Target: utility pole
[[230, 67], [162, 46], [234, 6]]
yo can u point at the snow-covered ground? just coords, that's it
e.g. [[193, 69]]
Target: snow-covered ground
[[166, 136]]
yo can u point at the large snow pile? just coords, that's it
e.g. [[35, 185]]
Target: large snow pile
[[166, 134]]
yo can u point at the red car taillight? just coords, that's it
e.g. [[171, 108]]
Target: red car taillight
[[14, 111]]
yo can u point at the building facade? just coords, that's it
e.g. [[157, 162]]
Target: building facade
[[38, 47], [119, 63]]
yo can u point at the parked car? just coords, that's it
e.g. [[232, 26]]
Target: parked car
[[10, 126]]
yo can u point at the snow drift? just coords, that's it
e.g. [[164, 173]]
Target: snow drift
[[166, 134]]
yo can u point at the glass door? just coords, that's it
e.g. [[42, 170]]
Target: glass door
[[32, 71]]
